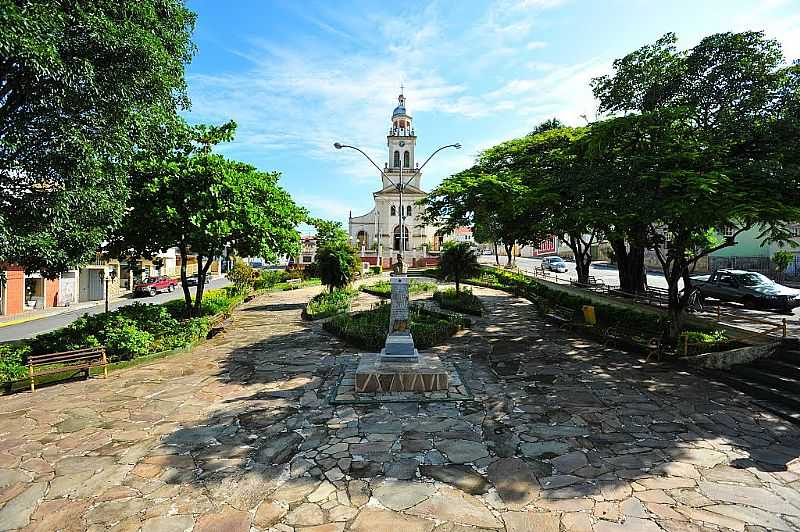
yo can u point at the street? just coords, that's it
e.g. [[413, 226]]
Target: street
[[733, 313], [47, 323]]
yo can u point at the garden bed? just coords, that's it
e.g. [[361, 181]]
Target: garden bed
[[464, 301], [384, 288], [368, 329], [326, 304]]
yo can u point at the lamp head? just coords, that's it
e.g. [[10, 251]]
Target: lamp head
[[337, 145], [457, 145]]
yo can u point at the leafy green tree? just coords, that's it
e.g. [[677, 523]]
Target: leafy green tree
[[781, 259], [547, 125], [330, 232], [698, 149], [203, 203], [83, 85], [458, 261], [337, 264]]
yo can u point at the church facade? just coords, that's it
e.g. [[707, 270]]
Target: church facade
[[377, 234]]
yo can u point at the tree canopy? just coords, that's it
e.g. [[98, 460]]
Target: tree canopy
[[203, 203], [83, 86]]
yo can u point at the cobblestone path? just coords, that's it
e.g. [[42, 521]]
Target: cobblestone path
[[237, 435]]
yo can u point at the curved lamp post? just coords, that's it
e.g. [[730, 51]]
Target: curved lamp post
[[400, 185]]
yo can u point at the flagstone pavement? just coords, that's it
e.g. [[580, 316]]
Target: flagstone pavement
[[238, 435]]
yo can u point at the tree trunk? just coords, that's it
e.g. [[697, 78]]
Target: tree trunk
[[509, 253], [202, 271], [630, 263], [458, 284], [496, 255], [187, 294]]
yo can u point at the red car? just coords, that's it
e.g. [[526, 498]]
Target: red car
[[153, 285]]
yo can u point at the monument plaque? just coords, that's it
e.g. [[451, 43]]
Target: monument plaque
[[399, 342]]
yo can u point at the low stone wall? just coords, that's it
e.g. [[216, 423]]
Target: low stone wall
[[726, 359]]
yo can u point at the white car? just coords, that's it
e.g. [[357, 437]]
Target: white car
[[554, 264]]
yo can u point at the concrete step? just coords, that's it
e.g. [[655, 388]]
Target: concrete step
[[768, 375], [780, 402]]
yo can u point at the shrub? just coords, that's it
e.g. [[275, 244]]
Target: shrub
[[368, 329], [375, 269], [464, 301], [383, 288], [126, 341], [269, 278], [329, 303], [12, 362], [243, 276]]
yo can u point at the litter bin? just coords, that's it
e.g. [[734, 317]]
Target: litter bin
[[589, 315]]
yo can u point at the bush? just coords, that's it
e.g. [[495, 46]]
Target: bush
[[12, 362], [126, 341], [243, 276], [329, 303], [375, 269], [458, 261], [269, 278], [463, 301], [368, 329], [384, 288]]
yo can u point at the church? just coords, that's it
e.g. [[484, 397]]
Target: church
[[376, 234]]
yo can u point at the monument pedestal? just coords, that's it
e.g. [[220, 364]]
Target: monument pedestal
[[376, 374]]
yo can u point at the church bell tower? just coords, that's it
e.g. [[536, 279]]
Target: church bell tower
[[401, 141]]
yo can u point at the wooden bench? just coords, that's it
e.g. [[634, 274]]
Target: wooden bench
[[77, 360], [217, 325], [649, 339], [294, 283], [561, 315]]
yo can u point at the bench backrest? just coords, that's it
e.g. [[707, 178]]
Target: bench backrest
[[66, 357]]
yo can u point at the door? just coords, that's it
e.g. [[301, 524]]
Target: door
[[95, 285]]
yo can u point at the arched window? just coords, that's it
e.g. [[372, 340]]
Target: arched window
[[406, 159], [397, 159], [394, 210], [362, 239], [397, 237], [408, 209]]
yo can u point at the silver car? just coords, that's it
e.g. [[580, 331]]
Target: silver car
[[554, 264]]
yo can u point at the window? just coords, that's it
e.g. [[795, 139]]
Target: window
[[394, 210], [397, 238], [406, 159], [408, 208], [727, 230], [307, 259], [397, 159]]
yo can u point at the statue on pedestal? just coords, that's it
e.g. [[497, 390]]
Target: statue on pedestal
[[399, 267]]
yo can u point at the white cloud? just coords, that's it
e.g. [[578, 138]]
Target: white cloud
[[536, 45]]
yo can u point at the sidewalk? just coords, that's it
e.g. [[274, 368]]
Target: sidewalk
[[31, 315]]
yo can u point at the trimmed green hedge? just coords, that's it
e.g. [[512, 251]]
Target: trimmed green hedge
[[463, 301], [383, 288], [368, 329], [327, 304]]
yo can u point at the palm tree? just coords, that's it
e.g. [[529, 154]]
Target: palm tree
[[458, 261]]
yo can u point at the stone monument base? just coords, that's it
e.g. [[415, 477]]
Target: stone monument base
[[374, 374]]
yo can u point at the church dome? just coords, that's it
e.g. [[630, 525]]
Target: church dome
[[399, 110]]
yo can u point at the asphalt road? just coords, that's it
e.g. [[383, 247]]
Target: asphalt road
[[602, 270], [736, 314], [30, 329]]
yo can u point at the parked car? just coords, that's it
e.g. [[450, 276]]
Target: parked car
[[554, 264], [153, 285], [487, 252], [752, 289], [192, 280]]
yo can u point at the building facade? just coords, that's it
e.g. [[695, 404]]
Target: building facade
[[377, 234]]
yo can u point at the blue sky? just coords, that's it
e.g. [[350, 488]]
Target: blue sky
[[299, 75]]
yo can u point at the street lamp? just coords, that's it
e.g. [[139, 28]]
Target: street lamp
[[106, 276], [400, 185], [3, 281]]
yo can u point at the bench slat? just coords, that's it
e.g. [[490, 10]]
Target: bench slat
[[78, 352], [48, 359], [63, 369]]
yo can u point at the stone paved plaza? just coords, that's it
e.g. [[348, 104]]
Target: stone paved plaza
[[238, 435]]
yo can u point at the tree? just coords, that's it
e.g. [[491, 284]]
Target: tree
[[781, 259], [83, 86], [559, 193], [458, 261], [203, 203], [337, 264], [242, 275], [706, 147], [547, 125], [329, 232]]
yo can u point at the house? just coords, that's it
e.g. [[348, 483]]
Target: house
[[21, 292], [12, 289]]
